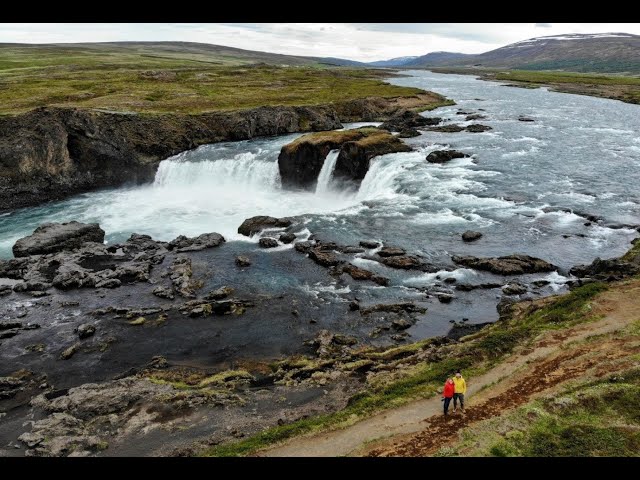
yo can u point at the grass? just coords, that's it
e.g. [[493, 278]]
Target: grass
[[565, 77], [135, 80], [489, 344], [360, 405], [598, 418]]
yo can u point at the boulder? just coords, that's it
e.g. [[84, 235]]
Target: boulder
[[408, 133], [448, 128], [57, 237], [474, 116], [85, 330], [254, 225], [408, 120], [403, 262], [606, 270], [268, 242], [303, 247], [443, 156], [470, 236], [369, 244], [323, 257], [507, 265], [522, 118], [180, 273], [401, 324], [186, 244], [243, 261], [70, 352], [477, 128], [287, 237]]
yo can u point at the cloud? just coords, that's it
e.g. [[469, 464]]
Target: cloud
[[544, 25]]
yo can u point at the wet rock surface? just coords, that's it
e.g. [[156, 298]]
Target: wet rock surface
[[57, 237], [471, 236], [254, 225], [507, 265], [444, 156]]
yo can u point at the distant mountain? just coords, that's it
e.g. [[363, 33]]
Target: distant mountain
[[597, 52], [394, 62], [341, 62], [436, 59]]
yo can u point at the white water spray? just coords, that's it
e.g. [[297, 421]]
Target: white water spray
[[324, 179]]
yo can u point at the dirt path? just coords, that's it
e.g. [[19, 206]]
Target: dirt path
[[557, 357]]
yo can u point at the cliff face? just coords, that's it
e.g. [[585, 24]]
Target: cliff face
[[300, 161], [51, 153]]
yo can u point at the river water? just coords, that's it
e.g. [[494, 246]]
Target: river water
[[580, 152]]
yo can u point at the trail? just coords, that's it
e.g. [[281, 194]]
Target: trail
[[555, 358]]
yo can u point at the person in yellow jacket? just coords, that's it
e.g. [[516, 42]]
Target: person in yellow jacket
[[459, 389]]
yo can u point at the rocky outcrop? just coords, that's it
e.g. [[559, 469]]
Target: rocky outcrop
[[522, 118], [606, 270], [254, 225], [408, 120], [447, 128], [51, 153], [300, 161], [268, 242], [471, 236], [186, 244], [56, 237], [477, 128], [443, 156], [92, 265], [508, 265]]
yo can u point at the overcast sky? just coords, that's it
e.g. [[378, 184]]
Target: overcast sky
[[356, 41]]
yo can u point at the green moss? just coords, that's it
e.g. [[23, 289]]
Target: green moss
[[138, 321]]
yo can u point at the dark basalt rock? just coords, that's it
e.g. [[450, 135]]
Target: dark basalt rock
[[475, 116], [57, 237], [447, 128], [403, 307], [606, 270], [358, 273], [470, 236], [303, 247], [403, 262], [391, 251], [408, 120], [268, 242], [301, 161], [507, 265], [459, 330], [287, 237], [219, 293], [206, 240], [409, 133], [443, 156], [369, 244], [525, 119], [243, 261], [324, 258], [477, 128], [254, 225]]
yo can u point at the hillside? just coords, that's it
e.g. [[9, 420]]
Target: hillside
[[606, 52], [436, 59], [178, 77]]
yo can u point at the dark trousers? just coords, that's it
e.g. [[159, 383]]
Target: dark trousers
[[447, 401], [456, 397]]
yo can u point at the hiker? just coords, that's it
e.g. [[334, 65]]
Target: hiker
[[447, 393], [460, 388]]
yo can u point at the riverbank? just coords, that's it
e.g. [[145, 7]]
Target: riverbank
[[537, 348], [615, 87]]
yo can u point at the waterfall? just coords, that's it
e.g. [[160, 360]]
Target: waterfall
[[245, 171], [379, 182], [324, 179]]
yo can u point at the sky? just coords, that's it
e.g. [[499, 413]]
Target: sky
[[356, 41]]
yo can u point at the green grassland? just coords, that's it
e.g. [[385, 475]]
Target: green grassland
[[160, 79]]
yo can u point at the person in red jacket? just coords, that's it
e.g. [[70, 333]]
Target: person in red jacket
[[447, 394]]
